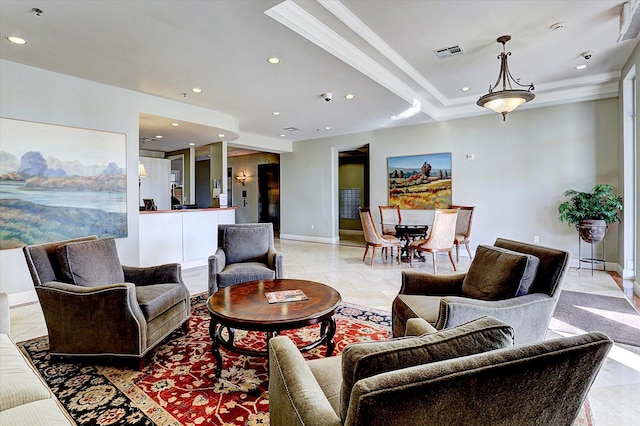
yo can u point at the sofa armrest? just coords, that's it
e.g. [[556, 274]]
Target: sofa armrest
[[425, 283], [216, 264], [295, 397], [529, 315], [159, 274]]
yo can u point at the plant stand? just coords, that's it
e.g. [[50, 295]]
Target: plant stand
[[592, 260]]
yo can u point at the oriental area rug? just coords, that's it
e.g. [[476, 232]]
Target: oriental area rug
[[177, 385]]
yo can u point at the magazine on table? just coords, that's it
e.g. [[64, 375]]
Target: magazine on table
[[285, 296]]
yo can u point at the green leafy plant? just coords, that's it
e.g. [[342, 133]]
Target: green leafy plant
[[599, 204]]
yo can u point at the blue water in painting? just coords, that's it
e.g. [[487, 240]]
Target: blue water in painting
[[112, 202]]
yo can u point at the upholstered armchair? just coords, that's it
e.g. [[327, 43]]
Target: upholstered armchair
[[467, 375], [518, 283], [94, 306], [246, 252]]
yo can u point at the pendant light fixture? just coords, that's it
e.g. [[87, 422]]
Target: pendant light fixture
[[506, 100]]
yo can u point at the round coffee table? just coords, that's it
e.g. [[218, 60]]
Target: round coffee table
[[245, 306]]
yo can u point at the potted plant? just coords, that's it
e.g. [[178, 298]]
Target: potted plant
[[591, 211]]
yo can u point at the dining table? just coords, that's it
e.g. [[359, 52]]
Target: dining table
[[407, 233]]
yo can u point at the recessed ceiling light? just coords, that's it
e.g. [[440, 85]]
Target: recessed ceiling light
[[275, 113], [158, 136], [393, 117], [283, 135], [327, 128], [16, 40], [192, 144], [349, 96], [273, 60], [465, 89], [175, 124], [221, 135], [581, 67], [197, 90]]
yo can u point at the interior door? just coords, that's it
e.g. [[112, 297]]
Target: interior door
[[269, 194]]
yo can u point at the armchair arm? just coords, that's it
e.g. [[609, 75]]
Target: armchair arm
[[424, 283], [105, 319], [295, 397], [529, 315], [274, 261], [216, 263], [159, 274], [418, 327]]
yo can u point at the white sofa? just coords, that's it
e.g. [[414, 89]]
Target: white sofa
[[25, 399]]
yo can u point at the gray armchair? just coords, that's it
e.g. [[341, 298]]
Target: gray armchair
[[94, 306], [246, 252], [518, 283], [466, 375]]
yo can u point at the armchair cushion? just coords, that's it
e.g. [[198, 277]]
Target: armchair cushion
[[242, 272], [246, 244], [497, 273], [78, 263], [362, 360], [156, 299]]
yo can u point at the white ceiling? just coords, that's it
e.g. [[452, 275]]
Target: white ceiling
[[382, 51]]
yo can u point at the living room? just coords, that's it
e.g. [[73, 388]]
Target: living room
[[514, 172]]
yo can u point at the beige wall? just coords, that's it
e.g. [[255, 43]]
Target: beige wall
[[521, 168], [249, 163]]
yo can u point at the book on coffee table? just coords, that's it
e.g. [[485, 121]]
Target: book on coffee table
[[285, 296]]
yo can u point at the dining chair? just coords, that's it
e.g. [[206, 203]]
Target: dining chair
[[440, 239], [389, 218], [375, 240], [463, 229]]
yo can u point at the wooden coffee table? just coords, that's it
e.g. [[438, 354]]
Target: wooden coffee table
[[245, 306]]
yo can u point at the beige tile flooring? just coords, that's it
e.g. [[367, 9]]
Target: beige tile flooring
[[615, 395]]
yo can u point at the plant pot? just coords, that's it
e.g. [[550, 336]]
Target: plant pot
[[591, 230]]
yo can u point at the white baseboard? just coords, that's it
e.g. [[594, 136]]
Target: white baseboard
[[334, 240], [23, 297]]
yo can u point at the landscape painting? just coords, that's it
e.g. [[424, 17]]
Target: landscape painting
[[60, 182], [420, 181]]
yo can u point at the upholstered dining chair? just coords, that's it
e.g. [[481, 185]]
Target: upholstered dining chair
[[94, 306], [246, 252], [375, 240], [389, 218], [440, 238], [463, 229]]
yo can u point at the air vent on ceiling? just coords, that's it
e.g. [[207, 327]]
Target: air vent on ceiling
[[448, 52], [148, 139], [291, 129], [629, 21]]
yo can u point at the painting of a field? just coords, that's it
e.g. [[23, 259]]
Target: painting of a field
[[420, 181], [60, 182]]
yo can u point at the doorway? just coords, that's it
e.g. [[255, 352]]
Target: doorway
[[353, 188], [269, 195]]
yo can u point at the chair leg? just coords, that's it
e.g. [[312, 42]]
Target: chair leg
[[468, 250], [373, 256], [457, 252], [366, 250], [435, 264], [411, 250], [452, 262]]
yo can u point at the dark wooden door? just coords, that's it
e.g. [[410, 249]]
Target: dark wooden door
[[269, 194]]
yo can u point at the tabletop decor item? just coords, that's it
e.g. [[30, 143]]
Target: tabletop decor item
[[591, 212]]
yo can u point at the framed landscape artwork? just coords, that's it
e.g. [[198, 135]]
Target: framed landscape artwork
[[420, 181], [60, 182]]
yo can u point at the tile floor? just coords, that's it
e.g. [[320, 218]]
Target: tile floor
[[615, 395]]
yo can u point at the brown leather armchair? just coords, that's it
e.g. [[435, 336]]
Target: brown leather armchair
[[94, 306]]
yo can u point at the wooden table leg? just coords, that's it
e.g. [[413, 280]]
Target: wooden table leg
[[215, 348], [331, 344]]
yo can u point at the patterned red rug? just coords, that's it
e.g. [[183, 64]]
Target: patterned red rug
[[177, 386]]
